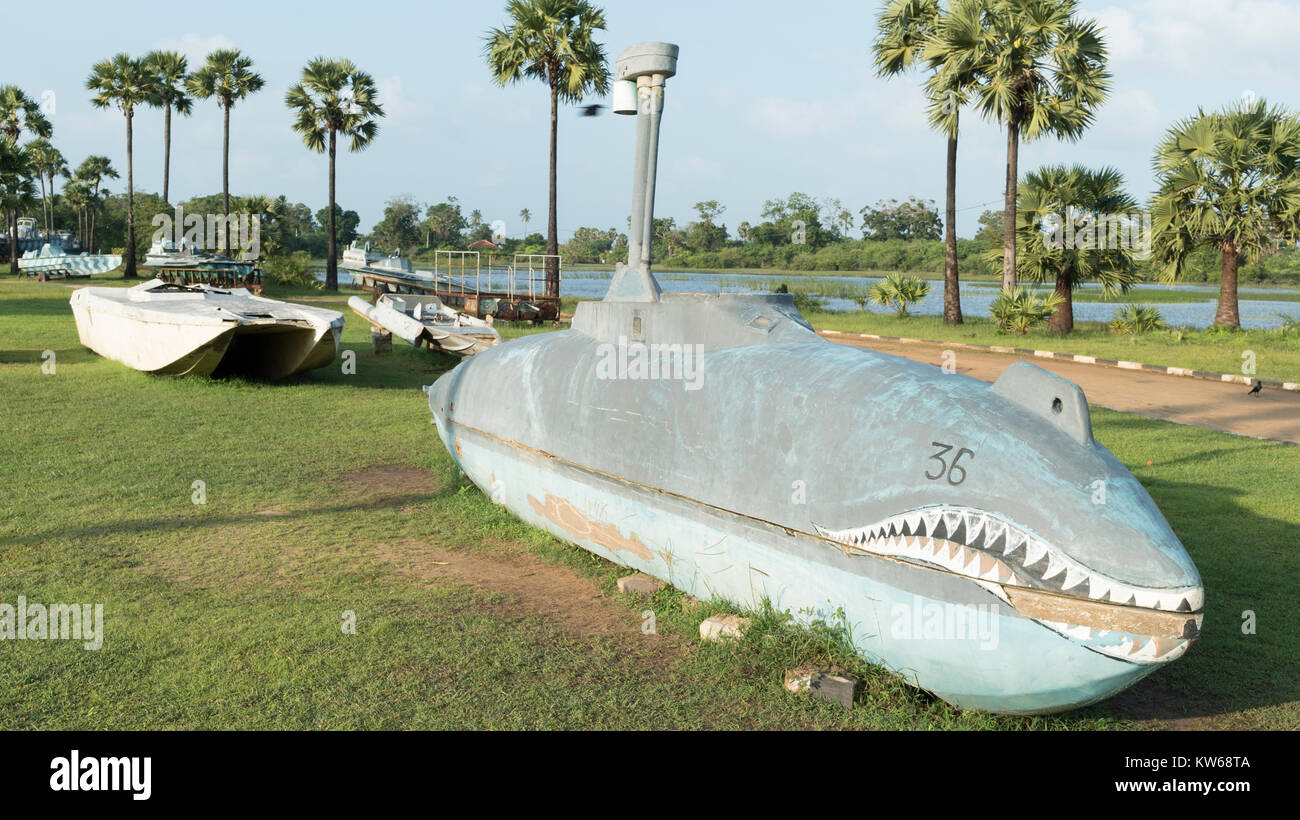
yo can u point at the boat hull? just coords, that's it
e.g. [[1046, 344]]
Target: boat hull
[[781, 468], [474, 336], [69, 266], [1002, 663], [155, 342]]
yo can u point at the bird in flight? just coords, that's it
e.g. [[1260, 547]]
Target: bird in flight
[[1254, 391], [590, 110]]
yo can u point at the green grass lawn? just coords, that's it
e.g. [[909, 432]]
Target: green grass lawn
[[332, 493]]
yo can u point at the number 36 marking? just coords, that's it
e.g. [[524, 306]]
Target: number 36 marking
[[956, 473]]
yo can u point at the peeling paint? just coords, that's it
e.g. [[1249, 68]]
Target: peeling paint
[[568, 518]]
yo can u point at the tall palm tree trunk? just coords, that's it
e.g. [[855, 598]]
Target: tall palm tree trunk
[[951, 287], [331, 254], [1226, 314], [1062, 321], [167, 149], [225, 177], [45, 210], [552, 228], [52, 203], [1009, 209], [13, 242], [129, 273]]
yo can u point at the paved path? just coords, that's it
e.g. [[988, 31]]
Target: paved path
[[1274, 414]]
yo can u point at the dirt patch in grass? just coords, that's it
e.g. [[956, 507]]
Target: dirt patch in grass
[[388, 481], [529, 585]]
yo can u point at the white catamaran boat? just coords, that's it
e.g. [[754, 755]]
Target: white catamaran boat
[[177, 330], [420, 319], [53, 262]]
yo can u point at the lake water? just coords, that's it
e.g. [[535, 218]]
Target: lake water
[[975, 297]]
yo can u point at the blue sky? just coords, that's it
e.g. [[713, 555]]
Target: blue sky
[[771, 98]]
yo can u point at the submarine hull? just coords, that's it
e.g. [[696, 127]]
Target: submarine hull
[[787, 470]]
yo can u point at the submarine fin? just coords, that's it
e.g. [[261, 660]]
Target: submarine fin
[[632, 285], [1058, 400]]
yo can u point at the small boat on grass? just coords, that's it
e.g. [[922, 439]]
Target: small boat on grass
[[419, 319], [178, 330], [52, 262], [166, 256]]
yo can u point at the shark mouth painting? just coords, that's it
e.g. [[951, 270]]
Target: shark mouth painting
[[1138, 624]]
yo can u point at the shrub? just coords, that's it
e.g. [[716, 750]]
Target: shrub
[[295, 271], [1019, 309], [898, 291], [806, 302], [1134, 320]]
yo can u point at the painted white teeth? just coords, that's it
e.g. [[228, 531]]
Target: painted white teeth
[[1034, 550], [970, 556], [1074, 577], [1097, 587], [992, 529], [1055, 566]]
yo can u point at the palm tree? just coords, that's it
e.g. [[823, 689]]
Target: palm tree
[[77, 194], [169, 70], [46, 161], [333, 99], [1076, 224], [527, 216], [1229, 180], [16, 189], [552, 41], [905, 36], [19, 113], [1030, 65], [125, 82], [226, 75], [91, 173]]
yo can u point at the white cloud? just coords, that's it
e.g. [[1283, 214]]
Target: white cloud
[[1123, 40], [1132, 113], [400, 104], [1250, 35], [800, 118], [195, 47]]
